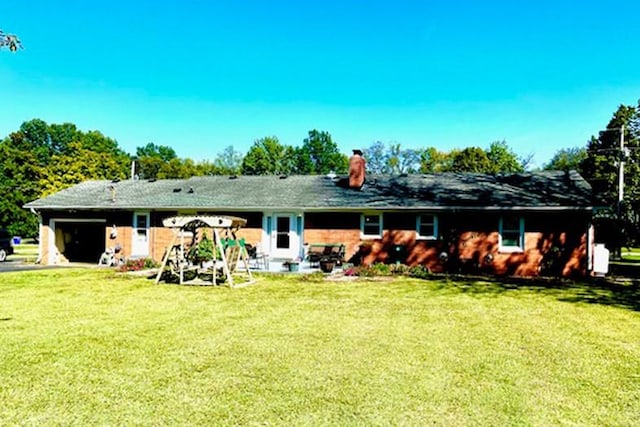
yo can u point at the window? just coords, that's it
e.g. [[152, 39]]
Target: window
[[511, 229], [427, 226], [371, 225]]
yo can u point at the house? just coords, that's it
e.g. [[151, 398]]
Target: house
[[510, 224]]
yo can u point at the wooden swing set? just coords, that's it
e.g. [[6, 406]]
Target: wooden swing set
[[197, 257]]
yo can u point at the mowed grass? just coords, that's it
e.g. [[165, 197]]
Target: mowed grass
[[631, 254], [26, 250], [88, 347]]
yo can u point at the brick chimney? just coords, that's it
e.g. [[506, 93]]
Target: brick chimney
[[356, 170]]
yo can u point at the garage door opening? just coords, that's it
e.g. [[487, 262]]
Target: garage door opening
[[80, 241]]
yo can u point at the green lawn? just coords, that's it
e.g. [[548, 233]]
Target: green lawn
[[87, 347], [26, 250], [631, 254]]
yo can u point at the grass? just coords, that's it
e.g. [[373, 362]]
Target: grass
[[631, 254], [86, 347], [27, 251]]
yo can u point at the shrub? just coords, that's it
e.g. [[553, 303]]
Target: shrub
[[138, 264], [419, 272], [379, 269]]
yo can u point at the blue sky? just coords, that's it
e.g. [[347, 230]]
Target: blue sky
[[201, 75]]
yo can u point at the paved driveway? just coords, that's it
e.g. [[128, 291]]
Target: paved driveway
[[14, 263]]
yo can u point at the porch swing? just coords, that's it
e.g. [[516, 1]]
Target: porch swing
[[205, 250]]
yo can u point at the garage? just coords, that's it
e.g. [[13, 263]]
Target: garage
[[79, 241]]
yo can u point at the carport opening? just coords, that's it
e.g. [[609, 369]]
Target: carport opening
[[80, 241]]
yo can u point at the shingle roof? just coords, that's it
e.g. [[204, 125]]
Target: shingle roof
[[539, 190]]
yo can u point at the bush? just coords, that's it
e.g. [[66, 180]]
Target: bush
[[379, 269], [138, 264], [419, 272]]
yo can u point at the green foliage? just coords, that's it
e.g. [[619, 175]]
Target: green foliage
[[268, 157], [137, 264], [229, 161], [498, 158], [503, 159], [471, 159], [72, 168], [161, 152], [600, 169], [434, 161], [392, 159], [40, 159], [158, 161], [386, 270], [567, 159], [319, 155], [204, 249]]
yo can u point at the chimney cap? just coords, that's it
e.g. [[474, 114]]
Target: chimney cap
[[357, 151]]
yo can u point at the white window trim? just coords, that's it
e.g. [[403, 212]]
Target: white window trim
[[511, 249], [434, 236], [137, 250], [362, 223]]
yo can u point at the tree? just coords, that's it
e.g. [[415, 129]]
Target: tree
[[376, 156], [35, 137], [567, 159], [433, 160], [10, 41], [20, 174], [151, 158], [268, 157], [402, 160], [601, 169], [80, 163], [162, 152], [391, 159], [40, 159], [320, 155], [503, 159], [229, 161], [472, 159]]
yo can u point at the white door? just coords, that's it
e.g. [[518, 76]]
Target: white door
[[140, 235], [285, 242]]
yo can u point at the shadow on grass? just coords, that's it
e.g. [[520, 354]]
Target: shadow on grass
[[605, 291]]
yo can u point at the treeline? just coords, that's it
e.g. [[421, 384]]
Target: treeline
[[40, 158]]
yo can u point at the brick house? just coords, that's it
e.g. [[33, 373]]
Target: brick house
[[510, 224]]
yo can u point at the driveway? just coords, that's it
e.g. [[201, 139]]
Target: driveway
[[16, 263]]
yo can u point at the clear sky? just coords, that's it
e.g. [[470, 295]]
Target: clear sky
[[201, 75]]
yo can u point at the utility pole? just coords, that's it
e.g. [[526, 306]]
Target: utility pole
[[621, 171]]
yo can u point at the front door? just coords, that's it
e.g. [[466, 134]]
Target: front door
[[140, 238], [284, 237]]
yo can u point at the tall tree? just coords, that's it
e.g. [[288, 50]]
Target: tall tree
[[36, 137], [151, 158], [268, 157], [567, 159], [433, 160], [382, 159], [80, 163], [503, 159], [319, 154], [40, 159], [402, 160], [472, 159], [376, 157], [229, 161], [602, 165], [20, 173]]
